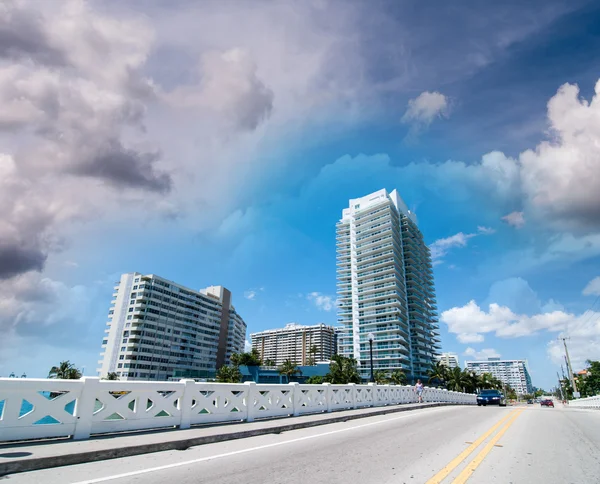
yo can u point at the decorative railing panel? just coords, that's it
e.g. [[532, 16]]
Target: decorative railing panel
[[589, 402], [39, 408]]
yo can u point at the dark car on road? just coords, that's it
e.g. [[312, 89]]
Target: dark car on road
[[491, 397], [547, 403]]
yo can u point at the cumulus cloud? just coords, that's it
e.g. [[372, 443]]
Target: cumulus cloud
[[441, 247], [584, 340], [470, 338], [592, 288], [425, 108], [484, 354], [230, 86], [321, 301], [515, 219]]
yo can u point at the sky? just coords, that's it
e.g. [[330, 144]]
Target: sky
[[217, 143]]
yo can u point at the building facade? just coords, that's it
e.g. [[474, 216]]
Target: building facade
[[158, 329], [385, 287], [449, 359], [514, 373], [295, 342]]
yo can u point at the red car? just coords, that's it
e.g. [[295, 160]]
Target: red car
[[547, 403]]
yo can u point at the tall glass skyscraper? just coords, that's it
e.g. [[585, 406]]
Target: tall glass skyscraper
[[385, 287]]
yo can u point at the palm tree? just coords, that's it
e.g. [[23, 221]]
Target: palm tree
[[312, 359], [111, 376], [438, 373], [397, 377], [229, 374], [380, 377], [289, 369], [458, 380], [342, 370], [65, 371]]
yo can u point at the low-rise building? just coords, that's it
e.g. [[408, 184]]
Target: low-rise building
[[303, 345]]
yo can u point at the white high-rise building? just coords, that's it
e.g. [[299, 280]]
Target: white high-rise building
[[385, 287], [158, 330], [294, 342], [449, 359], [514, 373]]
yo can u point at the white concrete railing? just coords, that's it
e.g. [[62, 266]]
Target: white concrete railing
[[589, 402], [40, 408]]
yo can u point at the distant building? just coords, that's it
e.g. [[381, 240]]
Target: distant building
[[449, 359], [294, 342], [158, 329], [261, 374], [514, 373]]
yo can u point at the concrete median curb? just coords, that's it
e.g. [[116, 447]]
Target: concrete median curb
[[25, 464]]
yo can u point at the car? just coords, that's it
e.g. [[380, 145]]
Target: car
[[530, 402], [490, 397], [547, 403]]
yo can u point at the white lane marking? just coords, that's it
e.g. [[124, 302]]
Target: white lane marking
[[251, 449]]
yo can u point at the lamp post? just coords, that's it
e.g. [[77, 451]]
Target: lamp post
[[371, 337]]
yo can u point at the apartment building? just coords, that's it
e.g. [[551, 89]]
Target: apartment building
[[158, 329], [514, 373], [385, 287], [294, 342], [449, 359]]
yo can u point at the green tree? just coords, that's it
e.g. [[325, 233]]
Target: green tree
[[342, 370], [229, 374], [312, 359], [252, 358], [458, 380], [289, 369], [380, 377], [269, 362], [315, 380], [65, 371], [111, 376], [397, 377], [438, 374]]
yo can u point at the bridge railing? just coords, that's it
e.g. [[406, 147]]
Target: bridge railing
[[589, 402], [41, 408]]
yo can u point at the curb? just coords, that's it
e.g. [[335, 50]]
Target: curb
[[39, 463]]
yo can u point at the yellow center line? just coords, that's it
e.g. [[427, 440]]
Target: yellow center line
[[454, 463], [478, 459]]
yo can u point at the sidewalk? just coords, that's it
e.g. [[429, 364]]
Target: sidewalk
[[28, 456]]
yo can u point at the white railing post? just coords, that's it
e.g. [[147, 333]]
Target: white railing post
[[84, 407], [328, 396], [185, 403], [373, 394], [295, 390], [250, 394], [353, 394]]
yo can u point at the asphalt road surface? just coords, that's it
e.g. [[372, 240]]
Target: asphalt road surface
[[520, 444]]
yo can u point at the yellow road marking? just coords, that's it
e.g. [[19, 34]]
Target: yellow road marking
[[454, 463], [478, 459]]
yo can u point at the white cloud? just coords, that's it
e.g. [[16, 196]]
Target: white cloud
[[515, 219], [247, 346], [484, 354], [251, 295], [470, 338], [441, 247], [321, 301], [592, 288], [426, 107], [584, 341]]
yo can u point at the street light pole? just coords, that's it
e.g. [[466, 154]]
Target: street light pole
[[570, 369], [371, 337]]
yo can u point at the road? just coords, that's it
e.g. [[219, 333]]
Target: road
[[520, 444]]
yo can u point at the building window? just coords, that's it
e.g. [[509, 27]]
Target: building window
[[120, 365], [130, 310], [129, 317], [121, 357], [123, 348], [135, 287], [137, 280], [128, 324]]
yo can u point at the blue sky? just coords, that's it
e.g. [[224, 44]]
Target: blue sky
[[214, 143]]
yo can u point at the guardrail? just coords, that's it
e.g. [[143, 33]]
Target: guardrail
[[589, 402], [41, 408]]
